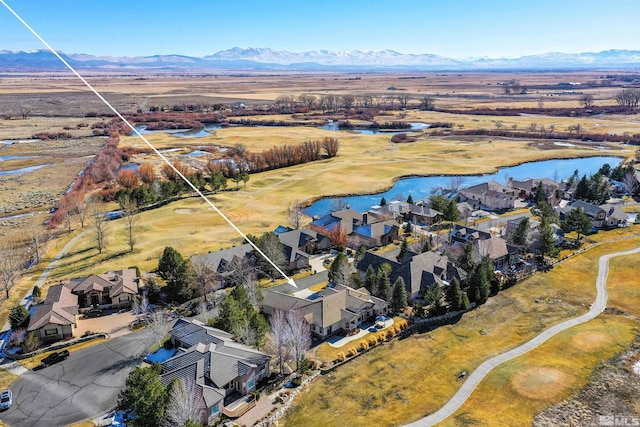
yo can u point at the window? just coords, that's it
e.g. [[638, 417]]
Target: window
[[251, 384], [49, 332], [124, 298], [214, 409]]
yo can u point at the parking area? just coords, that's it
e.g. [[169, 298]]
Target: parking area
[[113, 322]]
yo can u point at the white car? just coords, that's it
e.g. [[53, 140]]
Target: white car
[[6, 399]]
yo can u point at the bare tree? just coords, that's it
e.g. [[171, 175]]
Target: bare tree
[[25, 110], [253, 292], [204, 312], [338, 204], [238, 269], [586, 100], [630, 182], [140, 308], [9, 263], [347, 101], [307, 100], [204, 274], [183, 404], [296, 217], [129, 210], [456, 183], [98, 218], [628, 98], [159, 326], [427, 103], [403, 100], [278, 337], [246, 334], [298, 337], [36, 234]]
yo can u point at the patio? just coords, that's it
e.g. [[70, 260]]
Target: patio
[[365, 329]]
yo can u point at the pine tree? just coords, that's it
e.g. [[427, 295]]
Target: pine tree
[[547, 242], [454, 295], [383, 202], [404, 247], [410, 199], [521, 235], [399, 297], [371, 280], [578, 221], [386, 291]]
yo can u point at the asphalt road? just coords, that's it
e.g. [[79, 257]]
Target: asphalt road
[[85, 385], [474, 379]]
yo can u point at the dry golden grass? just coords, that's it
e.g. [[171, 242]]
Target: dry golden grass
[[85, 423], [399, 382]]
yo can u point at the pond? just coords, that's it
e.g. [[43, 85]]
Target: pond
[[421, 187], [22, 170], [129, 166], [414, 127], [6, 158]]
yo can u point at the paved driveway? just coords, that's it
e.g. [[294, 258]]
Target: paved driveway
[[85, 385], [111, 321]]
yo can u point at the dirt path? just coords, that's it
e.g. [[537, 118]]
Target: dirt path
[[476, 377]]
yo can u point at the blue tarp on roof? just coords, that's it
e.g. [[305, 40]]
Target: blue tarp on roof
[[363, 230], [281, 229]]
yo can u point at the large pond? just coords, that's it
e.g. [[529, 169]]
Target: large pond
[[421, 187]]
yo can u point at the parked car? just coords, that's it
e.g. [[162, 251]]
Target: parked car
[[6, 399], [94, 312], [54, 358]]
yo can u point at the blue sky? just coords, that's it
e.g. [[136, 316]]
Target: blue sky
[[458, 29]]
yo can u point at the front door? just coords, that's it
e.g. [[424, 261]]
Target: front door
[[95, 300]]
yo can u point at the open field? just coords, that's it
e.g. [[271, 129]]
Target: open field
[[398, 383]]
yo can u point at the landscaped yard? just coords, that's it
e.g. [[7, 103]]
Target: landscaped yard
[[410, 378]]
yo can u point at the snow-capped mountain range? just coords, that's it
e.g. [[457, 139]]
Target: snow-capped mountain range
[[270, 59]]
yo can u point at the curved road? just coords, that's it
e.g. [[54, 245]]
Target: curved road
[[474, 379]]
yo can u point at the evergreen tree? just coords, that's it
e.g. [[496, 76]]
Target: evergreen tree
[[433, 298], [340, 270], [399, 297], [480, 281], [521, 235], [582, 190], [383, 202], [19, 317], [454, 295], [467, 260], [144, 395], [171, 265], [465, 302], [386, 291], [577, 220], [404, 247], [371, 280], [410, 199], [547, 242]]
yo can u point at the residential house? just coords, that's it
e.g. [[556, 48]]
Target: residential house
[[393, 210], [423, 215], [57, 317], [373, 235], [419, 271], [463, 234], [217, 371], [501, 253], [534, 229], [114, 289], [336, 308], [554, 191], [220, 261], [603, 216], [299, 245], [490, 196], [345, 219]]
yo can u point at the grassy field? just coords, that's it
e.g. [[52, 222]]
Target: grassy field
[[395, 384]]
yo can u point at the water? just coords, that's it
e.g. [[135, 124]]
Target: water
[[192, 134], [420, 187], [22, 170], [196, 153], [129, 166], [5, 158]]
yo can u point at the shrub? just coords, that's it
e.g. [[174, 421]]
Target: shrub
[[352, 351], [37, 292], [340, 357], [382, 336], [364, 345], [373, 340], [256, 394], [16, 338], [168, 345], [31, 342], [19, 317]]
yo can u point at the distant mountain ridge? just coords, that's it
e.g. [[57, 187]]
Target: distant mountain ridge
[[238, 58]]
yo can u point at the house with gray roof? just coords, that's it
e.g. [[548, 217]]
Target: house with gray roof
[[336, 308], [490, 196], [603, 216], [217, 371], [299, 245], [220, 261], [57, 317]]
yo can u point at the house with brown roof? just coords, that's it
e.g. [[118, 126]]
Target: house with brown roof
[[218, 372], [299, 245], [114, 289], [490, 196], [526, 189], [336, 308], [57, 317]]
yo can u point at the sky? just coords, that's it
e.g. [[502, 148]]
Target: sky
[[451, 28]]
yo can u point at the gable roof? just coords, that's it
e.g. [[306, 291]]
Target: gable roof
[[116, 282], [295, 239], [60, 308], [219, 260]]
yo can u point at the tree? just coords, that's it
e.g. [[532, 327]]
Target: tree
[[630, 182], [203, 275], [159, 326], [278, 337], [480, 280], [404, 247], [433, 298], [182, 408], [127, 179], [270, 245], [37, 292], [296, 217], [338, 204], [448, 207], [371, 280], [129, 209], [385, 289], [427, 103], [586, 100], [177, 272], [144, 395], [546, 240], [36, 234], [403, 100], [628, 98], [9, 263], [410, 199], [330, 146], [399, 296], [340, 270], [338, 237], [25, 110], [19, 317], [454, 295], [383, 202], [521, 236], [577, 220], [147, 173], [98, 224], [307, 100], [31, 342], [298, 337]]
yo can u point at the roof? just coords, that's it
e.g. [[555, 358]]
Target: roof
[[219, 260], [615, 212], [60, 308], [530, 184], [423, 270], [588, 208], [193, 332], [467, 234], [295, 239], [116, 282]]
